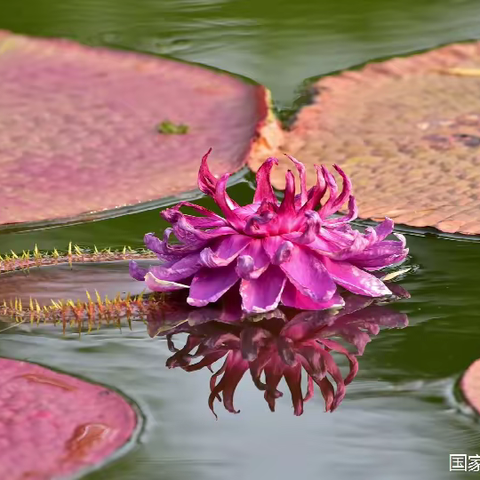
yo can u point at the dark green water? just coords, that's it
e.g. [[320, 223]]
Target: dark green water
[[400, 418]]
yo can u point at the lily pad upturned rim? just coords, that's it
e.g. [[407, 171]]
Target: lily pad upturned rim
[[110, 213]]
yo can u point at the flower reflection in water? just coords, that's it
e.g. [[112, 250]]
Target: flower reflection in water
[[275, 345]]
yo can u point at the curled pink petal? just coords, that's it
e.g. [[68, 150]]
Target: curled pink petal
[[209, 284], [331, 206], [253, 261], [206, 180], [263, 294], [225, 251], [355, 280], [307, 272], [264, 187], [292, 297], [136, 271], [303, 179]]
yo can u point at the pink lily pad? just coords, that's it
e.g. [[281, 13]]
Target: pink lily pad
[[53, 425], [86, 129], [470, 385], [407, 132]]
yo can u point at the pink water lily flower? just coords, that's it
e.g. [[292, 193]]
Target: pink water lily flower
[[295, 251]]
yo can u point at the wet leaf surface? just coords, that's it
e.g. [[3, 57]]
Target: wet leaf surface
[[53, 425], [406, 130], [79, 127]]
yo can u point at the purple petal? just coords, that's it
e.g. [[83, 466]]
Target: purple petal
[[316, 193], [253, 261], [303, 180], [286, 212], [192, 236], [247, 211], [262, 224], [330, 206], [227, 249], [168, 252], [222, 200], [184, 268], [306, 271], [312, 229], [350, 216], [159, 285], [209, 220], [384, 229], [263, 294], [283, 253], [264, 189], [354, 279], [372, 262], [346, 188], [206, 180], [291, 297], [208, 285], [137, 272]]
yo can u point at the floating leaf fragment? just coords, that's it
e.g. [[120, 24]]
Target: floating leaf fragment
[[407, 131], [54, 425], [87, 117], [169, 128], [397, 273]]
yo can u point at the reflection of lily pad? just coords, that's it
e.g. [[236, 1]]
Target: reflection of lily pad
[[407, 131], [59, 282], [53, 425], [79, 127]]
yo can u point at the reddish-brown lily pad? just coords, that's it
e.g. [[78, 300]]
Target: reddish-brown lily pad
[[53, 425], [89, 129], [407, 131]]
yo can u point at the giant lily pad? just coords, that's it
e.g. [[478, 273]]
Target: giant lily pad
[[53, 425], [84, 129], [407, 131]]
